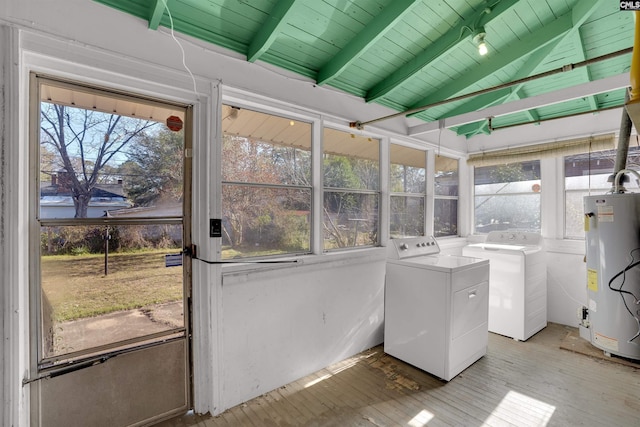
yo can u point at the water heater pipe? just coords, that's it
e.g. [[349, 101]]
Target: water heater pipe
[[622, 172], [623, 142], [630, 114]]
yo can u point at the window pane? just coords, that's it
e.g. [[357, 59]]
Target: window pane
[[407, 216], [407, 179], [263, 148], [350, 219], [408, 168], [446, 176], [509, 173], [574, 214], [351, 161], [507, 197], [94, 294], [272, 217], [258, 221], [504, 212], [586, 174], [445, 217], [95, 163]]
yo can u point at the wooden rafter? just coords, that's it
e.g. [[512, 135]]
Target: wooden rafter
[[436, 51], [533, 65], [156, 12], [269, 32], [373, 32]]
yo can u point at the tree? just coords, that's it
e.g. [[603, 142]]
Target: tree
[[342, 205], [86, 142], [154, 170], [246, 161], [263, 205]]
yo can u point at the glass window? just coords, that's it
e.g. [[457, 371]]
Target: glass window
[[407, 174], [507, 197], [351, 170], [110, 214], [445, 204], [266, 187], [586, 174], [94, 275]]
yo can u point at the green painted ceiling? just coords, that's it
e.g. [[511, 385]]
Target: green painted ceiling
[[407, 54]]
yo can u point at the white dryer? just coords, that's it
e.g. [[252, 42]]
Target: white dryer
[[517, 284], [436, 307]]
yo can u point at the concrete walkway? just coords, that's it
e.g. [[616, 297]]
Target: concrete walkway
[[91, 332]]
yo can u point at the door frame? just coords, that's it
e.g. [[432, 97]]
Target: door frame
[[36, 371]]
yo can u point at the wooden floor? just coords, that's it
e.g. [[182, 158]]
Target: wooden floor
[[532, 383]]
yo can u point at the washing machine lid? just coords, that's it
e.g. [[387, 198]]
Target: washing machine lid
[[510, 241], [498, 246], [444, 263]]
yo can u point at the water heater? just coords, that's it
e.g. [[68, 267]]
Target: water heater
[[612, 226]]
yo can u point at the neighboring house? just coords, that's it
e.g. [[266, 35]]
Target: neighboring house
[[56, 200]]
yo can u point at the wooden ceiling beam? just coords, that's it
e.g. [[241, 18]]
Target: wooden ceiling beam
[[534, 64], [435, 51], [584, 71], [500, 96], [534, 42], [607, 84], [156, 11], [504, 95], [371, 33], [270, 31]]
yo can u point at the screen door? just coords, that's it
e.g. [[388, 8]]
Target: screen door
[[110, 286]]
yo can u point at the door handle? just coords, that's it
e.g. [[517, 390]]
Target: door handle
[[473, 293]]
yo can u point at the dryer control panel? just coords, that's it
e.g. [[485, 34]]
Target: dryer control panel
[[412, 246], [508, 237]]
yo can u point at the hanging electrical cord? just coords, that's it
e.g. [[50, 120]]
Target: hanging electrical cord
[[184, 62], [622, 292]]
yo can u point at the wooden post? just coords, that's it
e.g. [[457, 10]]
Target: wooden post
[[106, 251]]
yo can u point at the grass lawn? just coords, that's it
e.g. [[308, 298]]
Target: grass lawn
[[76, 286]]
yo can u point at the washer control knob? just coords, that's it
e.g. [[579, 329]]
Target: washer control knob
[[404, 247]]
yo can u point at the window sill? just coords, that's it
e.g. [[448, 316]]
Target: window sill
[[325, 260]]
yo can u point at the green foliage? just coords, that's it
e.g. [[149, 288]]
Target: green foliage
[[339, 172], [513, 172], [79, 250], [82, 240], [297, 236], [154, 170]]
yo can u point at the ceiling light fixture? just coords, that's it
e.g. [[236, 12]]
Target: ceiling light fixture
[[478, 38]]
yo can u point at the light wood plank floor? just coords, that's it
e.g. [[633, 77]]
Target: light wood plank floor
[[532, 383]]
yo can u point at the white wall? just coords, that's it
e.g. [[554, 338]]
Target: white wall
[[282, 324]]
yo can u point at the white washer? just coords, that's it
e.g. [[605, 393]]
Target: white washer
[[518, 284], [436, 307]]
